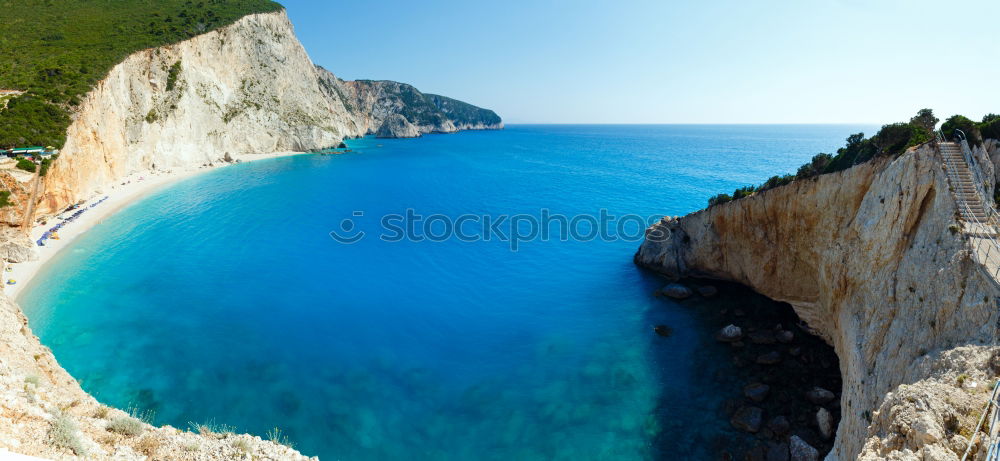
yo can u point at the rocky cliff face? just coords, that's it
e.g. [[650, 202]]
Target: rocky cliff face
[[243, 89], [874, 259], [396, 126], [389, 107]]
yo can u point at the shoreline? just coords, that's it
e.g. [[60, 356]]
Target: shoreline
[[136, 186]]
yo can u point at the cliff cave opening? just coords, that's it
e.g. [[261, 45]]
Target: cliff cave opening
[[779, 384]]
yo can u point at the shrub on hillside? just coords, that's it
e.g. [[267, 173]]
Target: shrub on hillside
[[776, 181], [815, 167], [857, 150], [63, 433], [895, 138], [744, 191], [45, 164], [960, 122], [172, 74], [719, 199], [25, 164], [990, 128], [125, 425]]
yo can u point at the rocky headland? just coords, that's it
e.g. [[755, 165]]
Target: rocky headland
[[875, 260], [248, 88]]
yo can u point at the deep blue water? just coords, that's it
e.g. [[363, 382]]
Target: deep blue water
[[224, 298]]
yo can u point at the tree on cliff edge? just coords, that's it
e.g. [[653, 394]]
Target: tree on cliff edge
[[925, 119]]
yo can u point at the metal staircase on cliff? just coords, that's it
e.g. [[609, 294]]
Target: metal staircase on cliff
[[975, 204], [980, 222]]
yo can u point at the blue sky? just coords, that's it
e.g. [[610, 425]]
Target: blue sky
[[709, 61]]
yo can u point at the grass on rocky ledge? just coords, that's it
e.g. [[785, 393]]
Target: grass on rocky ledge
[[132, 424], [58, 50], [63, 434]]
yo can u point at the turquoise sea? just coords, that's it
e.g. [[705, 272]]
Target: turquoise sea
[[224, 298]]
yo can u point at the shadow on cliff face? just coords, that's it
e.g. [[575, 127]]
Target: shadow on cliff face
[[766, 382]]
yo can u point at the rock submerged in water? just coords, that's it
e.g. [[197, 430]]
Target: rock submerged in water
[[729, 334], [799, 450], [770, 358], [663, 330], [824, 421], [785, 336], [707, 291], [820, 396], [779, 425], [756, 391], [761, 337], [777, 452], [676, 291], [748, 419]]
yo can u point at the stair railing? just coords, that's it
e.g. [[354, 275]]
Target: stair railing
[[983, 232], [992, 451]]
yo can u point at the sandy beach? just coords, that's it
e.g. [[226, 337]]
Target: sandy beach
[[135, 187]]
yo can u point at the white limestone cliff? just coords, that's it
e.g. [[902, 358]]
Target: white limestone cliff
[[247, 88], [874, 260]]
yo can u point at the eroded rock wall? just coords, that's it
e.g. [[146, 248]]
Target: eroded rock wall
[[872, 258], [246, 88]]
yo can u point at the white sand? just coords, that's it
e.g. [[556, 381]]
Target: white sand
[[119, 196]]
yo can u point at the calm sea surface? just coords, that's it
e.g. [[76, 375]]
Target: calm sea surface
[[224, 298]]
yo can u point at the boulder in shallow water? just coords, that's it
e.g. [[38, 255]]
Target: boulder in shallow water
[[707, 291], [729, 334], [756, 391], [676, 291], [824, 421], [770, 358], [762, 337], [820, 396], [779, 425], [777, 452], [785, 336], [663, 330], [799, 450], [748, 419]]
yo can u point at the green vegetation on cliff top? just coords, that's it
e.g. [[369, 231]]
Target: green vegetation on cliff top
[[57, 50], [891, 141]]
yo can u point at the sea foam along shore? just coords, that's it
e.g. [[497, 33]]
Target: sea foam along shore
[[120, 195]]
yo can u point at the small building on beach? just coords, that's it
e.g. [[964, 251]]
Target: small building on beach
[[24, 151]]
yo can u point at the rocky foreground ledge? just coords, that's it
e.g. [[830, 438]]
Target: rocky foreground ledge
[[873, 260], [45, 413]]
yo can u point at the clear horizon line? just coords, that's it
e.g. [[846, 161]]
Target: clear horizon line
[[693, 123]]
